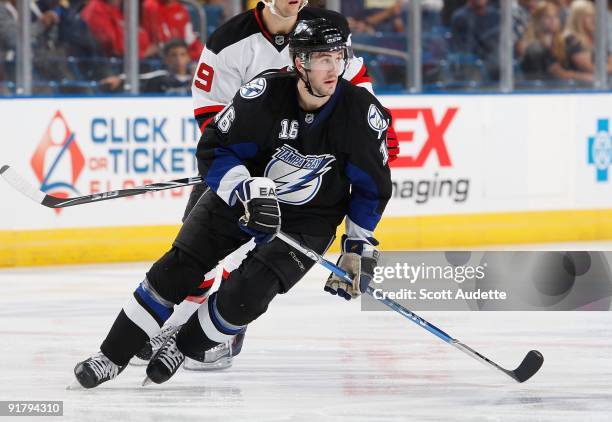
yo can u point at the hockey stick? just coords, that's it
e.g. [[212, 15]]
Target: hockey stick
[[528, 367], [22, 185]]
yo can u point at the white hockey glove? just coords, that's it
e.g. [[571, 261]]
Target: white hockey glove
[[261, 218], [358, 259]]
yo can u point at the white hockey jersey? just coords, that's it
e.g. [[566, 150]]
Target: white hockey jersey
[[241, 49]]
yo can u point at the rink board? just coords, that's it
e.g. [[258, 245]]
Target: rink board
[[474, 169]]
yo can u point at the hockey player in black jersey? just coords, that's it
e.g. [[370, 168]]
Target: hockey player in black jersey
[[293, 151], [242, 48]]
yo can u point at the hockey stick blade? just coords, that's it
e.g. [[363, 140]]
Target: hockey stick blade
[[528, 367], [22, 185]]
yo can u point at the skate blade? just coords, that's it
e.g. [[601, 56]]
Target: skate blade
[[146, 381], [194, 365], [135, 361], [75, 386]]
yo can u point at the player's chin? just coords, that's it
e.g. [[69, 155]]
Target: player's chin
[[329, 86], [293, 8]]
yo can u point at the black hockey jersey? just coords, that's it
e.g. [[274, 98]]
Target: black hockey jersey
[[326, 165], [242, 48]]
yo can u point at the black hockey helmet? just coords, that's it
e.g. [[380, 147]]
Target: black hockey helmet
[[317, 35]]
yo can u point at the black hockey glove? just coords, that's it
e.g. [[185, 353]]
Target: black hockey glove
[[358, 259], [261, 218]]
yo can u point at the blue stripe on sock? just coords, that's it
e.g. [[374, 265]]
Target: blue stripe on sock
[[215, 317], [160, 310]]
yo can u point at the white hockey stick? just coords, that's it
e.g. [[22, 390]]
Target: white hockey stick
[[20, 184]]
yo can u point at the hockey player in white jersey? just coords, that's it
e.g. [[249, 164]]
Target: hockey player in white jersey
[[239, 50]]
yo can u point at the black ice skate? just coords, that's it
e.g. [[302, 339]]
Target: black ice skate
[[94, 371], [143, 357], [165, 362], [219, 357]]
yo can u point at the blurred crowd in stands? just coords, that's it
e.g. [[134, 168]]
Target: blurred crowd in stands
[[553, 40], [78, 45]]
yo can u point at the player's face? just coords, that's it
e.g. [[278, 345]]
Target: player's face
[[177, 60], [288, 8], [325, 68]]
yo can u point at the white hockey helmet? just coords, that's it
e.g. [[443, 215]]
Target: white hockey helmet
[[272, 5]]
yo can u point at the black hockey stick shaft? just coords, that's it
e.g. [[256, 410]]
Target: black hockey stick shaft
[[26, 188], [529, 366]]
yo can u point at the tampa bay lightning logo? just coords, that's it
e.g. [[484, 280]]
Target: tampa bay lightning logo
[[253, 89], [377, 120], [297, 177]]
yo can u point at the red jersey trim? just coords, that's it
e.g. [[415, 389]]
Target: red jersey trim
[[263, 29], [206, 123], [361, 77], [208, 109]]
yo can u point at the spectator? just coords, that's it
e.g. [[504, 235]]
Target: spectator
[[545, 47], [4, 89], [475, 30], [388, 19], [563, 9], [177, 76], [579, 41], [164, 20], [610, 27], [105, 21], [74, 34], [366, 17], [521, 12], [8, 29], [449, 9], [43, 22], [174, 79], [395, 17], [48, 59]]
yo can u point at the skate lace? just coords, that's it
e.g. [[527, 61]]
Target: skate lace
[[103, 367], [160, 339], [171, 356]]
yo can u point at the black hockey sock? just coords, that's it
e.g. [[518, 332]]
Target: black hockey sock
[[123, 341], [139, 320]]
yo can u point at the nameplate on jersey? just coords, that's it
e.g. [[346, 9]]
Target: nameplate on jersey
[[377, 120], [253, 89], [298, 177]]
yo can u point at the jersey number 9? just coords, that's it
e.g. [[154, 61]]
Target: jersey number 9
[[204, 77]]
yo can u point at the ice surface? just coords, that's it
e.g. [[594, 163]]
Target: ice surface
[[312, 357]]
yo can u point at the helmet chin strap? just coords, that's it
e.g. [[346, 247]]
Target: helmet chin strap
[[309, 86], [271, 4]]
